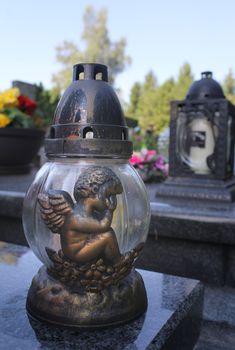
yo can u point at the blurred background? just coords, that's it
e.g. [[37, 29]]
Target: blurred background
[[154, 50]]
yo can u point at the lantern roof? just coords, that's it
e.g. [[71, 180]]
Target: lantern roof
[[205, 88], [89, 120], [89, 99]]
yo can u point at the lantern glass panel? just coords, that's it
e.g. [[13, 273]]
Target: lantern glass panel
[[197, 135]]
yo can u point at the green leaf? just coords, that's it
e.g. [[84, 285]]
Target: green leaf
[[19, 119]]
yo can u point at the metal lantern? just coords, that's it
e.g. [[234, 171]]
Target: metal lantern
[[86, 215], [201, 149], [202, 132]]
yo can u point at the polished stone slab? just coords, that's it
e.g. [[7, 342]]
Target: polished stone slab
[[196, 221], [216, 336], [195, 240], [172, 321], [219, 305], [205, 262]]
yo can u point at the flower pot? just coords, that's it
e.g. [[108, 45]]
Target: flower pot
[[18, 147]]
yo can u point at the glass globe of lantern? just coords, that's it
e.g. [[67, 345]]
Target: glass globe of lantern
[[131, 216]]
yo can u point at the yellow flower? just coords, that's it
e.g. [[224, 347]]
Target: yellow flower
[[9, 98], [1, 103], [4, 120]]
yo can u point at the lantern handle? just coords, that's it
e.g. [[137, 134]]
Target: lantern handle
[[90, 71], [206, 74]]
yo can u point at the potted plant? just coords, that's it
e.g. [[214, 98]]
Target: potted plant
[[22, 128]]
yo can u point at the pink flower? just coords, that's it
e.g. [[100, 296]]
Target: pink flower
[[150, 155], [151, 152], [135, 160], [160, 163]]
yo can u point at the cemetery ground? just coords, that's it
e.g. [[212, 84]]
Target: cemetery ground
[[207, 260]]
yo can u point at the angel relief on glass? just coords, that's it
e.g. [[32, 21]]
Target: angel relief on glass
[[89, 255]]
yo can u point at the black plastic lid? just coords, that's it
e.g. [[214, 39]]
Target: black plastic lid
[[89, 120], [205, 88]]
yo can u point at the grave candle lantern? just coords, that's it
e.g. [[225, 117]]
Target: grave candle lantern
[[202, 132], [86, 215]]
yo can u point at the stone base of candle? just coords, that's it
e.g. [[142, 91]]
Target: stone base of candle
[[213, 192], [53, 302]]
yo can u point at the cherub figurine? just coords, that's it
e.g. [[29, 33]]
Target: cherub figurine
[[85, 227]]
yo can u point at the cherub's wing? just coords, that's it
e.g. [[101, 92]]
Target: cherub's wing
[[55, 205]]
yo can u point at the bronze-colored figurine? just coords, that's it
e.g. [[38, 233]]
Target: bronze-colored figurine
[[85, 227], [89, 246]]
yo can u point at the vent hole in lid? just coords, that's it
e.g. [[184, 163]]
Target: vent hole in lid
[[52, 133], [88, 133], [81, 76], [78, 72], [124, 135], [98, 76]]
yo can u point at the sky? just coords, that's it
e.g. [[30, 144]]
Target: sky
[[161, 35]]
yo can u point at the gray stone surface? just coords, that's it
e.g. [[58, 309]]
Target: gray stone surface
[[219, 304], [26, 89], [11, 230], [17, 183], [181, 219], [230, 273], [182, 338], [11, 204], [195, 240], [214, 193], [216, 336], [184, 258], [194, 228], [172, 301]]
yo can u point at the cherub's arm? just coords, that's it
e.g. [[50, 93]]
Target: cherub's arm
[[92, 225]]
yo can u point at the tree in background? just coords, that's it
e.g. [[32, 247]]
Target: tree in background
[[184, 81], [98, 49], [229, 86], [150, 102], [47, 101], [132, 109], [164, 95], [147, 103]]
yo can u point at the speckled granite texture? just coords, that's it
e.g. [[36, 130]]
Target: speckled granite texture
[[216, 336], [172, 321], [219, 305], [194, 221], [185, 258]]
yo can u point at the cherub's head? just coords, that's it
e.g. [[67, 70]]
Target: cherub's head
[[100, 184]]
